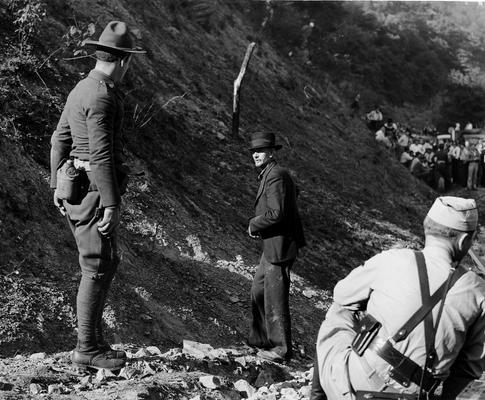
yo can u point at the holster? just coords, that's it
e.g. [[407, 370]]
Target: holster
[[72, 183], [367, 329]]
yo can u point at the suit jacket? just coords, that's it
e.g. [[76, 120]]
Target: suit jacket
[[277, 220]]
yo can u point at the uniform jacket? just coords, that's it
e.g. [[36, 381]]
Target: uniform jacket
[[90, 129], [277, 220], [388, 284]]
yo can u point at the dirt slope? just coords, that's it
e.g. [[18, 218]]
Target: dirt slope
[[186, 259]]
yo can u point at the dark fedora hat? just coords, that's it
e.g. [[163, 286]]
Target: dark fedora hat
[[260, 140], [115, 37]]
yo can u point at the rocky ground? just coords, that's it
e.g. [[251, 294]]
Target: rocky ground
[[196, 371]]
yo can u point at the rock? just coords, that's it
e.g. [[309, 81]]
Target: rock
[[270, 396], [289, 394], [38, 356], [196, 349], [241, 360], [221, 136], [309, 293], [210, 381], [308, 375], [154, 351], [267, 377], [127, 373], [85, 380], [104, 374], [244, 388], [35, 388], [147, 369], [141, 353], [219, 354], [305, 391], [234, 299], [54, 389], [146, 317], [230, 394], [172, 353], [284, 385]]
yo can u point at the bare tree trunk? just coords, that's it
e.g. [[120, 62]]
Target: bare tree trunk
[[237, 89]]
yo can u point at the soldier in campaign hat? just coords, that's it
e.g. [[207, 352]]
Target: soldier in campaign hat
[[406, 322], [277, 223], [88, 140]]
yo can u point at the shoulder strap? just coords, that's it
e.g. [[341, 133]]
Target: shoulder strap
[[427, 306], [425, 299]]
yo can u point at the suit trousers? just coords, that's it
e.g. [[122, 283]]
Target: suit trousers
[[271, 324], [98, 260]]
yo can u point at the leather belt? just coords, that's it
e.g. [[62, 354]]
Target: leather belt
[[82, 164], [404, 370]]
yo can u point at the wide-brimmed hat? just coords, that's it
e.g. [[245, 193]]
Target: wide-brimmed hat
[[260, 140], [115, 37]]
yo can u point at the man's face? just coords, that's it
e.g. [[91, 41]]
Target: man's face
[[262, 156]]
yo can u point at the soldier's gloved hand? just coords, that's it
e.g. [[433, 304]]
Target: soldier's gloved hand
[[59, 204], [111, 219]]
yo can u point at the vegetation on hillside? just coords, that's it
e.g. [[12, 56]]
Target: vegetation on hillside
[[396, 52]]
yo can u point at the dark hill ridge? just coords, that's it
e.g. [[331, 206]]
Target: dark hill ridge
[[186, 259]]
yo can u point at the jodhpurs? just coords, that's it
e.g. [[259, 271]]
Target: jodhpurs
[[98, 260]]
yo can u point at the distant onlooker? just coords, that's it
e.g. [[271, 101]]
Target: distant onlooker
[[481, 164], [454, 156], [374, 119], [419, 168], [406, 158], [451, 131], [468, 126], [413, 146], [463, 164], [403, 140], [442, 165], [473, 160], [382, 138], [427, 146], [390, 128]]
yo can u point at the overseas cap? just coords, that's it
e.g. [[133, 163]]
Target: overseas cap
[[455, 212]]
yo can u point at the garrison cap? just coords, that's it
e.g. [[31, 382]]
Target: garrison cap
[[455, 212]]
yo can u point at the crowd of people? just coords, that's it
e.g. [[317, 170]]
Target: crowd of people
[[441, 163]]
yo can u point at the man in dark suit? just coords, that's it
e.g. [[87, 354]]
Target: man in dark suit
[[278, 224], [88, 136]]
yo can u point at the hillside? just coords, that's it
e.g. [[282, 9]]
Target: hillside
[[187, 262]]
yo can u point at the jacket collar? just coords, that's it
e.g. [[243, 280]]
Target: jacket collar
[[102, 77], [262, 176], [269, 165]]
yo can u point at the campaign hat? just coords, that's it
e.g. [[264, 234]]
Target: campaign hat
[[116, 37], [264, 139]]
